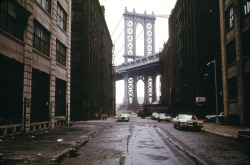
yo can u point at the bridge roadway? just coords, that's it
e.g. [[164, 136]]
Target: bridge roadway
[[139, 67]]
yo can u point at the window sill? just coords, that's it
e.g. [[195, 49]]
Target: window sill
[[228, 30], [61, 65], [231, 64], [40, 53], [233, 101], [246, 57], [9, 35], [65, 31], [49, 14], [245, 16]]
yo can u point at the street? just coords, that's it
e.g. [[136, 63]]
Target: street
[[146, 141]]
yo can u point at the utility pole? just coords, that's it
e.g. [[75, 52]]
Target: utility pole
[[215, 86]]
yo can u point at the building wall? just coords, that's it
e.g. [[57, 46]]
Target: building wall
[[235, 71], [193, 42], [22, 50], [92, 75]]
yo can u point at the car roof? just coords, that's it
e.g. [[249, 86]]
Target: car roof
[[186, 114]]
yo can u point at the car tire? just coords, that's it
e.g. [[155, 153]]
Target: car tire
[[179, 126]]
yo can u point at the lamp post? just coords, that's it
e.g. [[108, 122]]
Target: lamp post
[[215, 86]]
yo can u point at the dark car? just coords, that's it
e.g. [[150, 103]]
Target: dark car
[[213, 117]]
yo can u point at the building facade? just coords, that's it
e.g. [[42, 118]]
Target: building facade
[[187, 83], [92, 74], [235, 53], [35, 53]]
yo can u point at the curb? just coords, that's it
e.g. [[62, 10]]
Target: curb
[[220, 134], [62, 154]]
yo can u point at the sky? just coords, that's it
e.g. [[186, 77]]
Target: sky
[[114, 10]]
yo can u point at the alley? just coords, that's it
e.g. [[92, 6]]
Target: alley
[[145, 141]]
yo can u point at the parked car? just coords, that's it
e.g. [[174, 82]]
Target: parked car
[[187, 121], [163, 117], [154, 115], [123, 117], [213, 117]]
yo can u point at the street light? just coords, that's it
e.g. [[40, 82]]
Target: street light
[[215, 86]]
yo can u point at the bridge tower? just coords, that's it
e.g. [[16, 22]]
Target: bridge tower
[[148, 22], [130, 79]]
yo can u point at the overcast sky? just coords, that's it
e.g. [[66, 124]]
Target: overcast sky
[[114, 10]]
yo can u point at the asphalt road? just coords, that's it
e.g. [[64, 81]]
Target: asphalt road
[[146, 141]]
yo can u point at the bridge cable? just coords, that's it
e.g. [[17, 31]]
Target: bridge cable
[[116, 27], [119, 35], [118, 53], [123, 45], [139, 34]]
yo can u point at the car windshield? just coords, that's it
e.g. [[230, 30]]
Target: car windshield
[[124, 115], [187, 117], [161, 114]]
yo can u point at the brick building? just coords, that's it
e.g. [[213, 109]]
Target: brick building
[[34, 65], [193, 42], [235, 52], [92, 75]]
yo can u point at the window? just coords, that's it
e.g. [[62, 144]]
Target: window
[[232, 89], [9, 19], [77, 56], [45, 4], [41, 39], [60, 53], [40, 92], [246, 43], [245, 7], [61, 17], [231, 52], [76, 35], [230, 18], [76, 15], [60, 98]]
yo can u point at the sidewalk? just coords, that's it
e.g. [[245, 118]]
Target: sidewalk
[[47, 147], [223, 130]]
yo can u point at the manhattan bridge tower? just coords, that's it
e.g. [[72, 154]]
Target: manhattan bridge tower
[[132, 19]]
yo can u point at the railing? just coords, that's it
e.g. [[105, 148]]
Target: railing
[[136, 63]]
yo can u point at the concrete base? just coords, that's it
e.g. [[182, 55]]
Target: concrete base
[[132, 107]]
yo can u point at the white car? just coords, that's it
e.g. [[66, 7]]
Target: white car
[[163, 117], [154, 115], [123, 117]]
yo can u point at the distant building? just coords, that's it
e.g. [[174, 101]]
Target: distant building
[[235, 52], [187, 83], [92, 74], [34, 65]]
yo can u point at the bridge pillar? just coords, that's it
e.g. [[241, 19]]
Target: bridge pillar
[[125, 101], [146, 94], [153, 37], [135, 99], [154, 94], [145, 39]]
